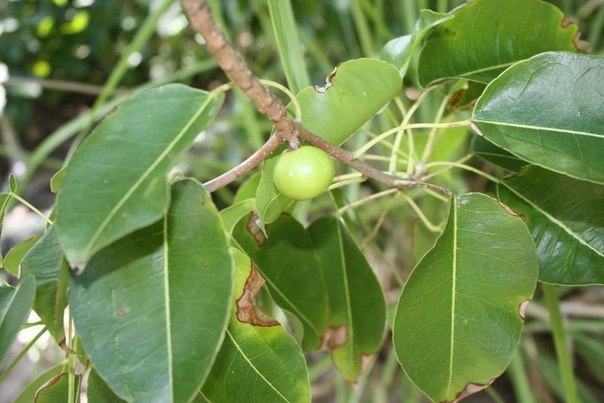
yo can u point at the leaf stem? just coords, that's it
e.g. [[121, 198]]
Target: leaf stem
[[30, 206], [18, 358], [562, 352], [453, 164]]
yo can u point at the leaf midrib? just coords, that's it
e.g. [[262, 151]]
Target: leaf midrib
[[453, 291], [256, 370], [534, 127], [552, 219], [144, 176]]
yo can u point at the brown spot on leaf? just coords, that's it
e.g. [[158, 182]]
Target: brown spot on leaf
[[121, 313], [328, 83], [522, 308], [334, 337], [566, 22], [365, 361], [582, 46], [508, 209], [52, 381], [470, 389], [247, 311], [63, 346], [255, 230]]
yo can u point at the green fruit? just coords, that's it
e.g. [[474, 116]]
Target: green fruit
[[303, 173]]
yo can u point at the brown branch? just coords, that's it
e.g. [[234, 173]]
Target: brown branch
[[267, 103], [234, 66], [250, 163]]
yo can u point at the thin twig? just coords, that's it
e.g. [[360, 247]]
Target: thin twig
[[250, 163], [234, 66]]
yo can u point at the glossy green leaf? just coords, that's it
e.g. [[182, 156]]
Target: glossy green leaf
[[487, 36], [152, 309], [15, 305], [256, 363], [28, 393], [354, 92], [566, 219], [356, 302], [496, 155], [548, 110], [399, 51], [97, 390], [459, 318], [288, 263], [45, 262], [116, 181]]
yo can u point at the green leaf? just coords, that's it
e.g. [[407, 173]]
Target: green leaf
[[45, 262], [116, 181], [98, 391], [13, 258], [28, 393], [270, 203], [487, 36], [288, 43], [56, 389], [496, 155], [459, 318], [288, 263], [257, 362], [15, 305], [152, 310], [12, 183], [4, 198], [399, 51], [548, 110], [356, 303], [247, 190], [354, 92], [564, 216], [231, 215]]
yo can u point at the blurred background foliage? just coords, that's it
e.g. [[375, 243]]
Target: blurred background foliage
[[58, 56]]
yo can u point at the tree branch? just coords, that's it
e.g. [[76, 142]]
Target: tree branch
[[234, 66], [250, 163], [286, 129]]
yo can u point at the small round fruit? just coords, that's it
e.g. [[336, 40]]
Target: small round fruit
[[303, 173]]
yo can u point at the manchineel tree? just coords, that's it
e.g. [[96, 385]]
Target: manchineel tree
[[173, 299]]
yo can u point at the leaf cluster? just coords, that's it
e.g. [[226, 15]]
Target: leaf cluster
[[469, 188]]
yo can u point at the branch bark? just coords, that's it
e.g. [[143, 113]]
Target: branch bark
[[235, 67]]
